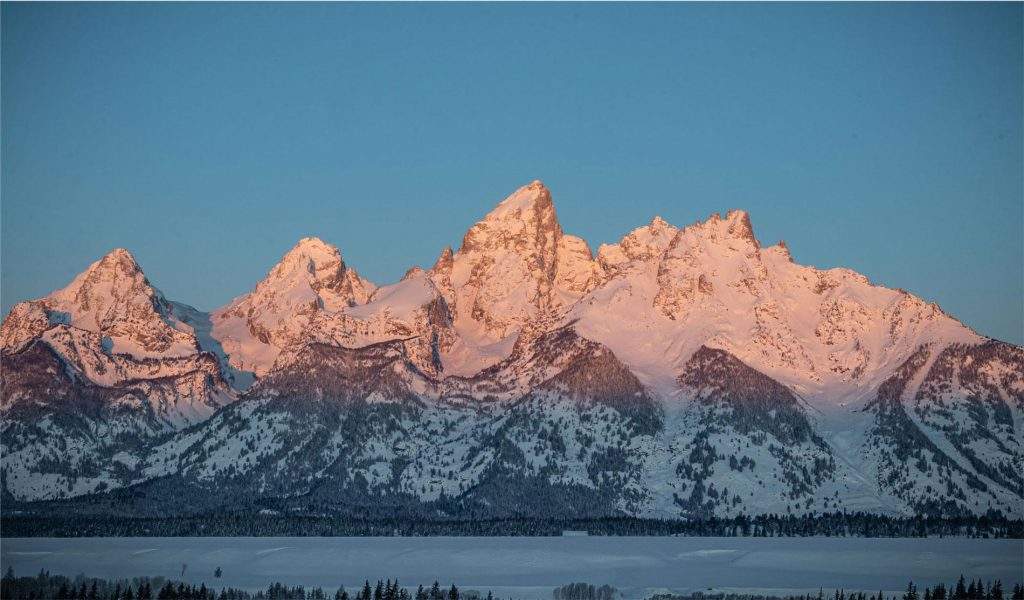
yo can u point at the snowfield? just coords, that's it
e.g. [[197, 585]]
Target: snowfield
[[677, 373], [529, 567]]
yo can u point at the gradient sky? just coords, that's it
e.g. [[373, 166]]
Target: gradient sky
[[208, 139]]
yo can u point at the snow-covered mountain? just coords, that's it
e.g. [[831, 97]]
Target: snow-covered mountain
[[679, 372], [311, 279], [91, 374]]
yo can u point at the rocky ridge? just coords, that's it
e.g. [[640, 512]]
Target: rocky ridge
[[678, 372]]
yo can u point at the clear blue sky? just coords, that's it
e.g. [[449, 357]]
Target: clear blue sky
[[207, 139]]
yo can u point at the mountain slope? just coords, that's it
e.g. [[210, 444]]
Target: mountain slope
[[91, 374], [311, 278], [514, 266], [112, 298], [680, 372]]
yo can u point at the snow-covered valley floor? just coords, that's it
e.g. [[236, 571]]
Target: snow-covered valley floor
[[529, 567]]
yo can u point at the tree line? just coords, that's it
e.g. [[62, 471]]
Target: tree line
[[45, 586], [961, 590], [230, 524]]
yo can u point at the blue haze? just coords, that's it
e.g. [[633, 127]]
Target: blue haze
[[208, 138]]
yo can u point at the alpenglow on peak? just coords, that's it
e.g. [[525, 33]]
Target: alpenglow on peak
[[545, 364]]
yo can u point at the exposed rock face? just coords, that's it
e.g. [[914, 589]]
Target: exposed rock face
[[90, 375], [513, 251], [513, 267], [26, 321], [112, 298], [822, 332], [311, 279], [680, 372]]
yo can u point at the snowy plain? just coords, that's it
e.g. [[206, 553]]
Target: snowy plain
[[529, 567]]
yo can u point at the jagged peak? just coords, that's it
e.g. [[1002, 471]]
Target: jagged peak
[[444, 260], [312, 248], [314, 264], [120, 255], [740, 226], [657, 228], [531, 197], [112, 298], [311, 259], [658, 223], [735, 225], [117, 259], [412, 272], [527, 213], [311, 241], [117, 269], [782, 249], [641, 244]]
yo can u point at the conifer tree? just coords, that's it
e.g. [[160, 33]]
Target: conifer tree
[[960, 593], [911, 593], [997, 590]]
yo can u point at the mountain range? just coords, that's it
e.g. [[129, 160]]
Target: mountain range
[[678, 373]]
